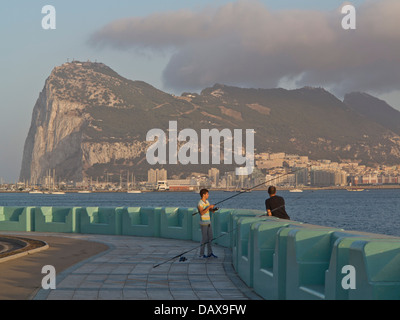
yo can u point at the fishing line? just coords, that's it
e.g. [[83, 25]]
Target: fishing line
[[225, 234]]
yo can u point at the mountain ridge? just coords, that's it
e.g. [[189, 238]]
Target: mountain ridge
[[89, 121], [373, 108]]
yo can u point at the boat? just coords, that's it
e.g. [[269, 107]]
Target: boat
[[355, 190], [296, 189], [57, 192], [85, 191], [53, 187], [36, 192], [134, 191], [162, 186]]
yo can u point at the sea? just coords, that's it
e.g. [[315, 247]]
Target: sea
[[375, 210]]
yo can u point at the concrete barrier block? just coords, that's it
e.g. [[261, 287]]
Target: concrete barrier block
[[340, 258], [141, 222], [100, 220], [240, 234], [241, 213], [56, 219], [308, 257], [264, 235], [222, 227], [269, 247], [176, 223], [244, 251], [376, 263], [17, 219], [279, 265]]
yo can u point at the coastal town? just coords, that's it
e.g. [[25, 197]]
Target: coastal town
[[287, 171]]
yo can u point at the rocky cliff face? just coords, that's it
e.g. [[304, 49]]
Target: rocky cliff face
[[58, 137], [89, 122], [55, 136]]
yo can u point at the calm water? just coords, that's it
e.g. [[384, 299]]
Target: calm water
[[376, 211]]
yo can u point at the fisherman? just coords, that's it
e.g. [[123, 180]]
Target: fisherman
[[275, 205], [204, 208]]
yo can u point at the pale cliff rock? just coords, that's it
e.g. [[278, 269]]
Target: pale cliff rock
[[102, 153], [54, 138], [57, 138]]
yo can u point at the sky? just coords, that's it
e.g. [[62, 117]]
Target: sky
[[188, 45]]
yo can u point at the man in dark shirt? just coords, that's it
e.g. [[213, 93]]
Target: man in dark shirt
[[275, 205]]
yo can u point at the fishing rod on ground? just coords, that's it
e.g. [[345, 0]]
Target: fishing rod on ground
[[181, 256]]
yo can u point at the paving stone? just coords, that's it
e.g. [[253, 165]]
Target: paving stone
[[127, 272]]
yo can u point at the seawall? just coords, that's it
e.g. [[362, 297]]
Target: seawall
[[280, 259]]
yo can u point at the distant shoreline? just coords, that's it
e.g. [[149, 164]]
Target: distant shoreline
[[385, 187], [366, 187]]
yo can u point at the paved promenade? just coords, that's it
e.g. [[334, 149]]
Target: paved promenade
[[124, 270]]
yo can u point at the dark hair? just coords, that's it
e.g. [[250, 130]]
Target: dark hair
[[271, 190], [203, 192]]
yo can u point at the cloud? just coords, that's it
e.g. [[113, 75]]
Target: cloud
[[245, 44]]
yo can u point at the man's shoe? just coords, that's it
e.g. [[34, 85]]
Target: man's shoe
[[203, 256], [212, 255]]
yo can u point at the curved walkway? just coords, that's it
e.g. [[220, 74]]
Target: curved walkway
[[125, 271]]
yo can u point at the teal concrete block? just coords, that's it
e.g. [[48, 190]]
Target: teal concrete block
[[118, 220], [17, 219], [141, 222], [241, 213], [269, 252], [240, 236], [56, 219], [222, 227], [308, 257], [340, 257], [279, 264], [234, 225], [245, 249], [377, 266], [264, 235], [100, 220], [176, 223]]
